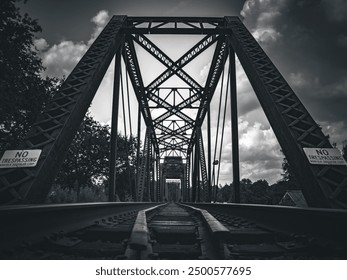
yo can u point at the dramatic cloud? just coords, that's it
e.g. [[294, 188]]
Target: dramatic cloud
[[100, 20], [61, 58], [41, 44], [306, 39], [295, 36], [260, 154], [257, 143]]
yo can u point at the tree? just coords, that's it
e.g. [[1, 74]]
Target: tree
[[87, 161], [288, 176], [126, 166], [225, 193], [257, 192], [244, 190], [23, 90]]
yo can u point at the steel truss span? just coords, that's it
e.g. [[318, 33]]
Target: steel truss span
[[170, 129]]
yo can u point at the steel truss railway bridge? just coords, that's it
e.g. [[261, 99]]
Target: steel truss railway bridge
[[175, 146]]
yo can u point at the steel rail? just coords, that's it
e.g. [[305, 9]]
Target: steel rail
[[139, 238], [329, 224], [215, 227], [33, 222]]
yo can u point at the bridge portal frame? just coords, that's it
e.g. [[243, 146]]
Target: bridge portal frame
[[295, 129]]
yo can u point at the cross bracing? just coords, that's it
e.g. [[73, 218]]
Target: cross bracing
[[173, 114]]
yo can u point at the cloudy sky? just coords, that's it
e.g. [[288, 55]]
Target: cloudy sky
[[306, 39]]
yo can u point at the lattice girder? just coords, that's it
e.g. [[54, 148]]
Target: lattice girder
[[57, 125], [173, 67], [216, 68], [142, 175], [176, 25], [205, 184], [134, 72], [323, 186]]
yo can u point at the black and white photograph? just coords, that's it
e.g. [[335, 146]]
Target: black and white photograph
[[209, 132]]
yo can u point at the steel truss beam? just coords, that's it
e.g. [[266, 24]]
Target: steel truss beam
[[323, 185], [56, 127], [152, 90], [158, 185], [186, 187], [175, 25], [173, 67], [132, 66], [172, 110], [176, 67], [214, 74], [150, 169], [202, 160], [143, 175], [114, 127]]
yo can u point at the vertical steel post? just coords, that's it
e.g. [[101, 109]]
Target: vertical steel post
[[161, 177], [148, 169], [183, 185], [198, 170], [157, 177], [234, 126], [188, 176], [114, 126], [151, 174], [198, 187], [194, 175], [138, 148], [186, 179], [209, 154], [154, 178]]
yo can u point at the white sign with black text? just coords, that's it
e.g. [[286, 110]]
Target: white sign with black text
[[328, 156], [20, 158]]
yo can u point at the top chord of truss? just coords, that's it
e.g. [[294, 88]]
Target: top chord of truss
[[176, 25]]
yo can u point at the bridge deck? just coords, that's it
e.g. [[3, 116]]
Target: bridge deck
[[170, 231]]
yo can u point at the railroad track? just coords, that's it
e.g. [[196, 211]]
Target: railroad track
[[171, 231], [276, 232], [68, 231]]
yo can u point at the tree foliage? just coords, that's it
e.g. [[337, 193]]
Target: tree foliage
[[87, 160], [260, 192], [23, 90]]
